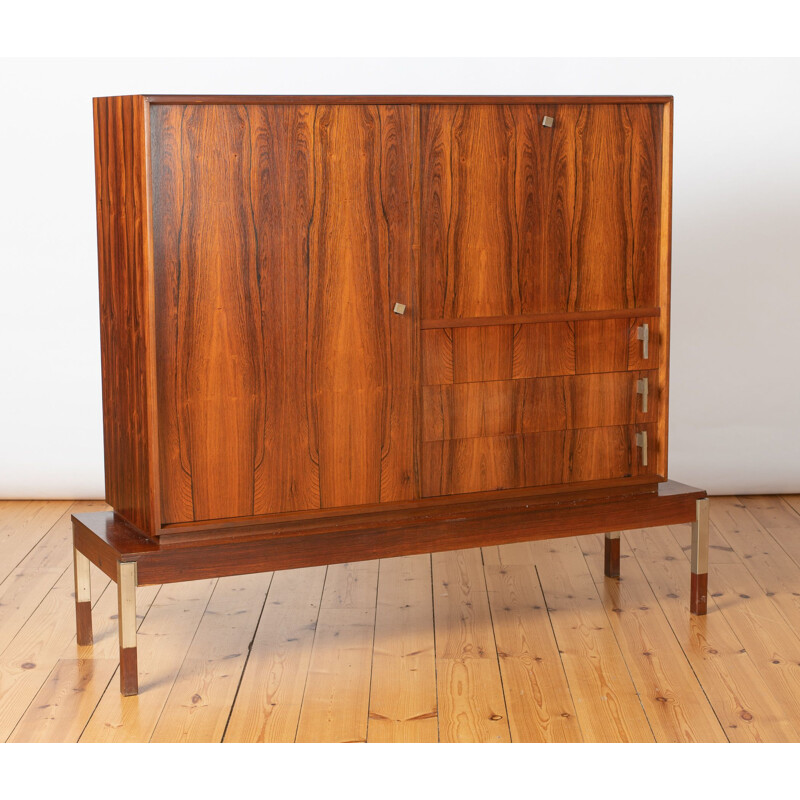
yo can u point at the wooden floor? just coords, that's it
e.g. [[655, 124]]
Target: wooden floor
[[523, 643]]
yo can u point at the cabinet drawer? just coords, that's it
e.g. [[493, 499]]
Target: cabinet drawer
[[535, 350], [533, 405], [456, 466]]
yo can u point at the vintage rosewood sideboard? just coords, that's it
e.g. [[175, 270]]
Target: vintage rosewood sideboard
[[346, 328]]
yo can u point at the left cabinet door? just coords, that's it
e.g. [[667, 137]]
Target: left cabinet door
[[283, 235]]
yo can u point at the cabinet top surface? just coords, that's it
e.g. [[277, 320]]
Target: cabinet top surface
[[185, 99]]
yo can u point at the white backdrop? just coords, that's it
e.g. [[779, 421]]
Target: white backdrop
[[735, 360]]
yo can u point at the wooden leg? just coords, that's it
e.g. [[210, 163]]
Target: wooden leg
[[612, 555], [699, 589], [126, 596], [83, 597]]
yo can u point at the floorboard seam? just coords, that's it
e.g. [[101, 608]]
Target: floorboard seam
[[435, 659], [372, 659], [311, 653], [183, 660], [494, 640], [559, 651], [36, 544], [674, 633], [619, 648], [34, 610], [246, 660]]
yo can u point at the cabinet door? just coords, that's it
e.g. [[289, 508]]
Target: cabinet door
[[521, 218], [283, 236]]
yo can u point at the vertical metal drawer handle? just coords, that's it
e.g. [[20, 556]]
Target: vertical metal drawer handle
[[641, 441], [643, 389], [643, 335]]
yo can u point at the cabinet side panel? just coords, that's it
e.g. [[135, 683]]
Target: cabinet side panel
[[123, 248], [665, 257]]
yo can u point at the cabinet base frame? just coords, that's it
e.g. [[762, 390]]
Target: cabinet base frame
[[131, 559]]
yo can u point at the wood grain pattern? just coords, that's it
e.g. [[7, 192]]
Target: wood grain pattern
[[34, 576], [762, 628], [23, 524], [548, 316], [359, 352], [285, 381], [493, 408], [742, 700], [336, 698], [270, 695], [618, 207], [286, 471], [254, 250], [676, 706], [540, 708], [105, 537], [47, 631], [68, 695], [551, 457], [126, 297], [198, 706], [220, 382], [606, 700], [535, 350], [770, 557], [778, 516], [519, 218], [403, 705], [471, 703], [164, 637], [689, 672]]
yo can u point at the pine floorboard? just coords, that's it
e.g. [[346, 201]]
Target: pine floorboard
[[521, 643]]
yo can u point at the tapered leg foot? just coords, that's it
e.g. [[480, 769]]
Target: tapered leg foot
[[128, 671], [698, 599], [612, 555], [83, 598], [126, 596], [83, 623]]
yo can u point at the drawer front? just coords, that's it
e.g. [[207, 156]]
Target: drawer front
[[534, 405], [536, 350], [479, 464]]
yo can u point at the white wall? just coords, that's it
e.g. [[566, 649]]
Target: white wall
[[735, 362]]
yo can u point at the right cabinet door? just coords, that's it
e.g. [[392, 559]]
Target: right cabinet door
[[525, 228]]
